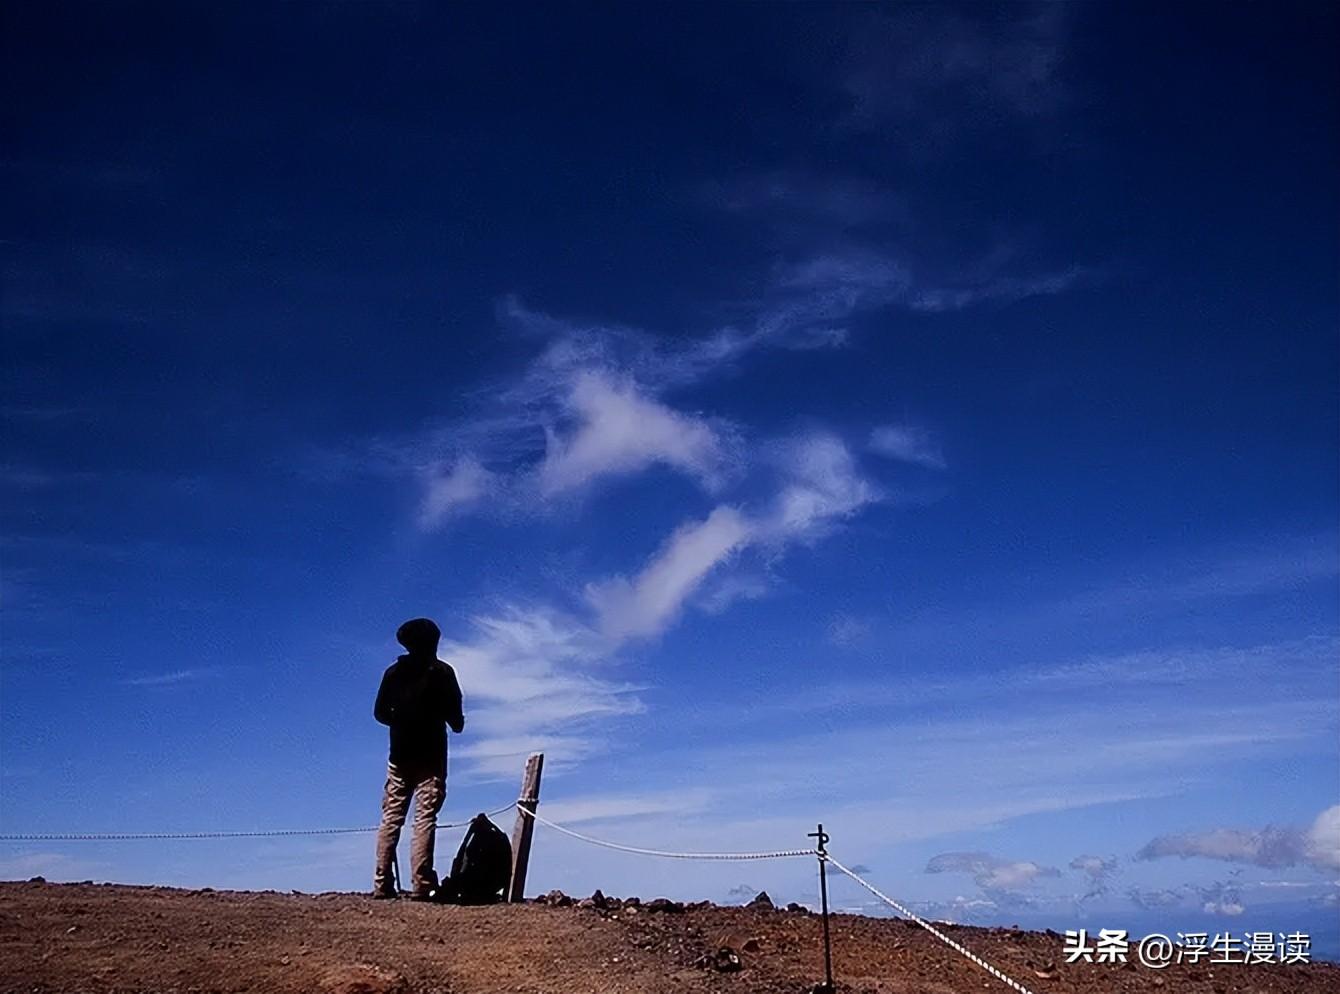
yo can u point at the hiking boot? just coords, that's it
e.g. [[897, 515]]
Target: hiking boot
[[384, 894]]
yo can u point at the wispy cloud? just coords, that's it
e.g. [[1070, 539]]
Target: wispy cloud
[[644, 605], [1154, 899], [1099, 870], [44, 413], [733, 587], [845, 630], [619, 430], [543, 673], [454, 488], [808, 205], [534, 682], [908, 66], [595, 403], [996, 289], [1272, 846], [1222, 898], [822, 485], [25, 477], [1285, 563], [908, 443], [1001, 880], [171, 678]]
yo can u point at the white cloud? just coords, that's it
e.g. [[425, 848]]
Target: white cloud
[[1221, 898], [1099, 869], [591, 405], [541, 672], [170, 679], [445, 492], [995, 289], [991, 873], [1272, 846], [645, 605], [810, 301], [1321, 845], [738, 586], [908, 444], [532, 681], [1095, 867], [620, 431], [823, 484]]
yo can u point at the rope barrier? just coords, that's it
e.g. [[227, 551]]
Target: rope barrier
[[778, 854], [174, 836], [957, 947], [523, 805]]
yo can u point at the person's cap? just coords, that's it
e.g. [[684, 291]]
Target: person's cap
[[420, 633]]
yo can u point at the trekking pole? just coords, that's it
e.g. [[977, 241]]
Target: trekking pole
[[822, 851]]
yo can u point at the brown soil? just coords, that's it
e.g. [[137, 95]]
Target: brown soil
[[112, 939]]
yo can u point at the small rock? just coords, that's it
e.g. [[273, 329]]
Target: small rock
[[632, 902], [557, 899], [727, 961], [1048, 972], [72, 930], [795, 906], [762, 902], [37, 880], [665, 906], [363, 979]]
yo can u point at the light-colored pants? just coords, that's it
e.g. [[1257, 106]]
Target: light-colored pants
[[428, 788]]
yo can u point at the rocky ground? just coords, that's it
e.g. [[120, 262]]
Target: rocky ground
[[112, 939]]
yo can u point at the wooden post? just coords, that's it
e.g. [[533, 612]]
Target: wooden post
[[525, 826]]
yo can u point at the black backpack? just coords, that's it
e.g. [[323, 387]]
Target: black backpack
[[482, 868]]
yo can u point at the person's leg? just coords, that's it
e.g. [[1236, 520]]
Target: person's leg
[[395, 805], [429, 794]]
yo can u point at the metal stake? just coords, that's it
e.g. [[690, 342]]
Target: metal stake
[[821, 848]]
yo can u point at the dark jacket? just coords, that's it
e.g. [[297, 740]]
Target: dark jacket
[[418, 698]]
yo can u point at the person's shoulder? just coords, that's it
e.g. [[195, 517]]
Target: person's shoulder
[[445, 668]]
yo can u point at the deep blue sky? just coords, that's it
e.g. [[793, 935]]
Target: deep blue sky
[[918, 417]]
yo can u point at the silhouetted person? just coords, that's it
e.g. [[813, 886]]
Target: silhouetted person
[[418, 699]]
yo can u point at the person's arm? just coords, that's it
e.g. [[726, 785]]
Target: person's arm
[[452, 707], [384, 709]]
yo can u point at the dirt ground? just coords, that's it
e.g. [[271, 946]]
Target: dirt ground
[[113, 939]]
